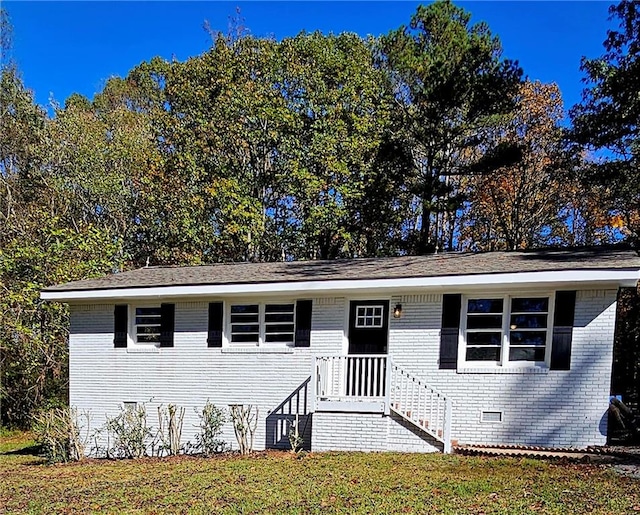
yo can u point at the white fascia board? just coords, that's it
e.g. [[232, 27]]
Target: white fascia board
[[564, 278]]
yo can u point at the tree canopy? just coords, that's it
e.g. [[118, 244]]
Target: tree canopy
[[312, 147], [607, 121]]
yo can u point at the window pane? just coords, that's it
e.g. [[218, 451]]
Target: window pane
[[147, 320], [528, 321], [279, 338], [282, 328], [484, 306], [245, 328], [147, 325], [148, 311], [528, 337], [240, 319], [369, 316], [280, 317], [484, 339], [483, 353], [526, 354], [148, 338], [148, 329], [278, 308], [244, 338], [484, 322], [249, 308], [530, 305]]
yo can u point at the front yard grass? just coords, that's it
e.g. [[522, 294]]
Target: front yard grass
[[280, 482]]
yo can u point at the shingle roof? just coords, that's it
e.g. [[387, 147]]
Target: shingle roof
[[447, 264]]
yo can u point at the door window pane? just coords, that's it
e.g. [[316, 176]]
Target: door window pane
[[369, 317]]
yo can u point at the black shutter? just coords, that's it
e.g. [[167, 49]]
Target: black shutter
[[167, 324], [450, 330], [214, 338], [563, 318], [303, 323], [120, 323]]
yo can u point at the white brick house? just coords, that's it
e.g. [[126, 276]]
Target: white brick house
[[407, 353]]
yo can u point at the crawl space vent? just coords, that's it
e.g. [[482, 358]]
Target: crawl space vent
[[491, 416]]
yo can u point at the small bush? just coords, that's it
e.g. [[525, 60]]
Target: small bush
[[130, 434], [170, 429], [212, 419], [245, 422], [62, 434], [295, 438]]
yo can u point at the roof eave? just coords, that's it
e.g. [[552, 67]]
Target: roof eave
[[551, 279]]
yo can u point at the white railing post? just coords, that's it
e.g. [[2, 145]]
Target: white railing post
[[313, 383], [446, 432], [388, 368]]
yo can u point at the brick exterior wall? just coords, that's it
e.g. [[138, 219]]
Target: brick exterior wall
[[367, 432], [189, 374], [555, 408]]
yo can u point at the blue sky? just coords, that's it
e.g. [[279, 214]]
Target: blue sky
[[67, 47]]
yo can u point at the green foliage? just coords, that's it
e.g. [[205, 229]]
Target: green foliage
[[316, 146], [212, 419], [452, 85], [128, 433], [608, 118]]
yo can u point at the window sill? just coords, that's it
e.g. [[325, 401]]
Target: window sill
[[502, 370], [151, 349], [256, 350]]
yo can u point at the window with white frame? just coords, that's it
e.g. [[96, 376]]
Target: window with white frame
[[506, 330], [368, 317], [260, 324], [147, 322]]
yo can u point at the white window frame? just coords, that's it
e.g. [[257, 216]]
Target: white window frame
[[373, 316], [504, 362], [132, 337], [261, 323]]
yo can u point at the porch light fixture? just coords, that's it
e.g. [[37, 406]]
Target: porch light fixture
[[397, 311]]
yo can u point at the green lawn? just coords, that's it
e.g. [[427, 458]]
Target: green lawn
[[313, 483]]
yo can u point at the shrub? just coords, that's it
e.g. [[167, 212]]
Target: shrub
[[212, 419], [170, 428], [130, 433], [295, 438], [62, 433], [245, 421]]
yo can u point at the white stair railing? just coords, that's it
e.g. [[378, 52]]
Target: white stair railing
[[356, 379], [420, 404]]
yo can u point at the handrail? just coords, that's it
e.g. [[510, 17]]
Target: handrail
[[422, 405]]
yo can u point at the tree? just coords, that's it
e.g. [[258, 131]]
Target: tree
[[343, 198], [607, 120], [451, 84], [40, 245], [519, 206]]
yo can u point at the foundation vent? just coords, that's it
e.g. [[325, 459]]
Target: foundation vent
[[491, 416]]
